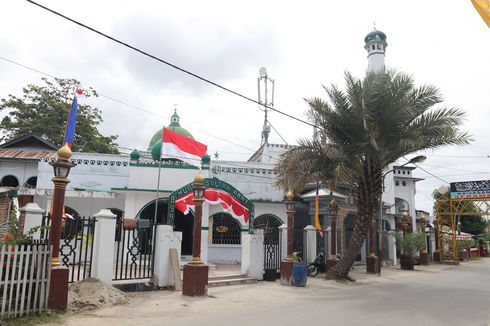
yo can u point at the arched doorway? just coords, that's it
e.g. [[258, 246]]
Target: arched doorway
[[270, 224], [182, 223], [225, 229]]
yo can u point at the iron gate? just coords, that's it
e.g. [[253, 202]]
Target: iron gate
[[272, 253], [134, 249], [76, 245]]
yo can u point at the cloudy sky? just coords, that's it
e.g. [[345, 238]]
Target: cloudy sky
[[304, 45]]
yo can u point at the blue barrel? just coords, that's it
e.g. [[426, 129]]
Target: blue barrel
[[299, 274]]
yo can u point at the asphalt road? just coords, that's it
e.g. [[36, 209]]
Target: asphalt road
[[435, 295]]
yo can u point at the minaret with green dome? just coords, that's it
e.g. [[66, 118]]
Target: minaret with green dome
[[375, 45]]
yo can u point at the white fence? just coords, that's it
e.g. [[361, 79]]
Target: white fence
[[24, 279]]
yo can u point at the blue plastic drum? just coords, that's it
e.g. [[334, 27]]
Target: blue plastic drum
[[299, 274]]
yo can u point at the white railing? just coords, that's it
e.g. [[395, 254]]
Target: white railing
[[24, 279]]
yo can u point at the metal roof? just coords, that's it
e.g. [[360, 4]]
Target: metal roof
[[25, 155]]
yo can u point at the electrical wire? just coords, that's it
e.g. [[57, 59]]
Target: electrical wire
[[170, 64], [133, 106]]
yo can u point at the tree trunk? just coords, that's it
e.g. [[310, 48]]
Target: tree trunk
[[368, 191]]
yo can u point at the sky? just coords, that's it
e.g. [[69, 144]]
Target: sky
[[304, 46]]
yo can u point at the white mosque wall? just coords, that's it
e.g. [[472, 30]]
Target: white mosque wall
[[20, 170], [93, 172], [146, 177], [407, 193]]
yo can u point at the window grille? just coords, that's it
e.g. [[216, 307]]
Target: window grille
[[226, 230]]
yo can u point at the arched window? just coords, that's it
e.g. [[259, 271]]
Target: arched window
[[9, 181], [270, 224], [31, 182], [226, 229]]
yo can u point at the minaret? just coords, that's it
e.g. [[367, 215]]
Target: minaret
[[376, 47]]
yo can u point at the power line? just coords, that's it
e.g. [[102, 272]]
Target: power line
[[435, 176], [131, 105], [169, 64]]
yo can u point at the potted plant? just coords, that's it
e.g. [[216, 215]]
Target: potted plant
[[409, 244]]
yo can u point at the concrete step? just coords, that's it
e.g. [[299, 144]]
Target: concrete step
[[226, 277], [230, 281]]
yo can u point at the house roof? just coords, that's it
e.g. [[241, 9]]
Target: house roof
[[25, 155], [32, 141]]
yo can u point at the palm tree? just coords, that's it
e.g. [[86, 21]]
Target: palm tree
[[362, 130]]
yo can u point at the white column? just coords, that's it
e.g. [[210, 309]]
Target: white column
[[328, 234], [253, 254], [103, 256], [284, 241], [165, 240], [33, 218], [392, 247], [204, 232], [310, 243]]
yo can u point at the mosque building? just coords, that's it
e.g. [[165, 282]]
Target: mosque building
[[144, 187]]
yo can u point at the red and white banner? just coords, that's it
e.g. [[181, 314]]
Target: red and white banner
[[215, 197], [183, 148]]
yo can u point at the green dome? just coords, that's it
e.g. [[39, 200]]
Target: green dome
[[375, 35], [206, 159], [174, 126], [135, 155]]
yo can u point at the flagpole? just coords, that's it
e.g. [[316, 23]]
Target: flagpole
[[156, 207]]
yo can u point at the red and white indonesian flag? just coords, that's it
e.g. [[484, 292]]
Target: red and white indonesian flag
[[214, 196], [183, 148]]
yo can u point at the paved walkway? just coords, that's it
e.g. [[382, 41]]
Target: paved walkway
[[430, 295]]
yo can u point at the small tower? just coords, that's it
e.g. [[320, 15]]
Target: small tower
[[265, 101], [376, 47], [175, 119]]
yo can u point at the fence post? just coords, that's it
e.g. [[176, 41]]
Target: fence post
[[310, 233], [392, 247], [283, 242], [165, 240], [103, 244], [33, 217], [253, 254]]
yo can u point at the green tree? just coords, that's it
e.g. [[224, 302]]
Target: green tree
[[363, 129], [44, 110]]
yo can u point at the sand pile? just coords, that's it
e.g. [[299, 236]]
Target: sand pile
[[91, 294]]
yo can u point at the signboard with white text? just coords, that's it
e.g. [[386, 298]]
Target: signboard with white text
[[470, 189]]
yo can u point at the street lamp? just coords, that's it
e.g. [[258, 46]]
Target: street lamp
[[424, 255], [58, 288], [287, 264], [195, 280], [334, 211]]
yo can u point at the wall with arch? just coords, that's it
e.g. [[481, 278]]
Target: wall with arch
[[21, 170]]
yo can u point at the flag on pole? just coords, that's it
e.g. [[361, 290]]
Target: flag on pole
[[483, 8], [318, 226], [183, 148], [72, 120]]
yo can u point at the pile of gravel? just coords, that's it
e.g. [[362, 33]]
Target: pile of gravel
[[91, 293]]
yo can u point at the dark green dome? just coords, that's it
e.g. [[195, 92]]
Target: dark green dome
[[174, 126], [375, 35], [135, 155], [206, 159]]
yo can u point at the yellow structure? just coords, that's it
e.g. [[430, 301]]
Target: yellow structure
[[448, 212]]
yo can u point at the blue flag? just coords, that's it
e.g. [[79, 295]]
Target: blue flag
[[72, 119]]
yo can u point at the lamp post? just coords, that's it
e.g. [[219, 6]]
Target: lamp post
[[414, 160], [287, 264], [58, 287], [195, 281], [424, 255], [334, 211]]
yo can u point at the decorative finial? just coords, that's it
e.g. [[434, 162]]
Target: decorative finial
[[199, 178], [330, 186], [374, 25], [290, 195], [64, 153], [175, 107]]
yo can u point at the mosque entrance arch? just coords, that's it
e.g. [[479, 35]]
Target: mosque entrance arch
[[217, 192]]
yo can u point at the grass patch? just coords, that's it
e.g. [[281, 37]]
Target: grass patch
[[44, 318]]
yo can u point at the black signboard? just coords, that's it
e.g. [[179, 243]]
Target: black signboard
[[470, 189]]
